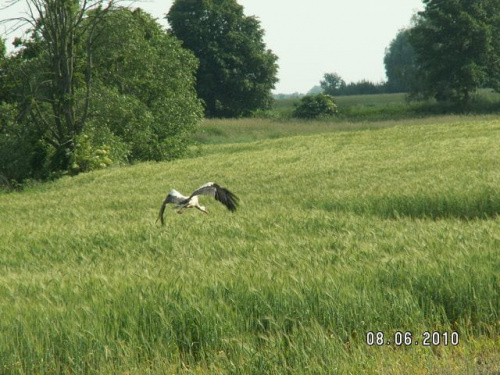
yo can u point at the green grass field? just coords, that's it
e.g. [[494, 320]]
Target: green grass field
[[386, 107], [342, 230], [352, 101]]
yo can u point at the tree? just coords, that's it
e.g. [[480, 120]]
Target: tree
[[363, 87], [236, 72], [144, 86], [332, 84], [455, 42], [58, 41], [399, 61], [122, 99]]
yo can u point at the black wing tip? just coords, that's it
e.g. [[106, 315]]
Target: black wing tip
[[222, 195], [228, 199], [234, 201]]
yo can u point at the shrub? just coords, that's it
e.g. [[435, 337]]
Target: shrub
[[313, 106], [98, 148]]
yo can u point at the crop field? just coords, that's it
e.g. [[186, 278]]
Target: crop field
[[342, 230], [353, 101], [384, 107]]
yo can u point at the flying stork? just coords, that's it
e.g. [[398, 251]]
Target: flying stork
[[220, 193]]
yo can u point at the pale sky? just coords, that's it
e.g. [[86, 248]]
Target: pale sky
[[315, 37]]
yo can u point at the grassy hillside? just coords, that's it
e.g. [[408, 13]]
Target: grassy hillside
[[338, 234]]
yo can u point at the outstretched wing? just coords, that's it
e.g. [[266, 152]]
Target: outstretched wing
[[172, 197], [220, 193]]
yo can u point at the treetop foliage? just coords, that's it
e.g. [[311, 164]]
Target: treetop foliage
[[399, 61], [236, 72], [457, 48], [79, 95], [450, 50], [333, 84]]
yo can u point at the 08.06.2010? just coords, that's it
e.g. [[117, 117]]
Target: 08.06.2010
[[399, 338]]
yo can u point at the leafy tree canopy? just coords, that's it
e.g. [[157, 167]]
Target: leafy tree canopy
[[109, 85], [144, 85], [332, 84], [456, 45], [400, 63], [236, 72]]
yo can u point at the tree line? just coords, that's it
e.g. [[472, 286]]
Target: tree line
[[333, 84], [95, 83], [451, 49]]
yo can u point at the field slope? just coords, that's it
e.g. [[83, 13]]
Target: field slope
[[338, 234]]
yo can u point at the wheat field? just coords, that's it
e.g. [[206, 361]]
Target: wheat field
[[338, 234]]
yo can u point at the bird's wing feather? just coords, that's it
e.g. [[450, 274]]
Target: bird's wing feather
[[175, 197], [162, 211], [172, 197], [220, 193]]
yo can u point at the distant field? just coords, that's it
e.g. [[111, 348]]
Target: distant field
[[220, 131], [388, 228], [394, 106], [352, 100]]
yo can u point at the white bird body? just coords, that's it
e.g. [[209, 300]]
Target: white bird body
[[176, 197], [183, 202]]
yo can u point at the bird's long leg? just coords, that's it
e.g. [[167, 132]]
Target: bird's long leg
[[202, 209], [181, 210]]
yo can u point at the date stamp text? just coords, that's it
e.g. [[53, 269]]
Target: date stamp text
[[400, 338]]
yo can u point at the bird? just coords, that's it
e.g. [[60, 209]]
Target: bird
[[183, 202]]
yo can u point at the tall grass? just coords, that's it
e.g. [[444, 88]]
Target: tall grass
[[338, 234]]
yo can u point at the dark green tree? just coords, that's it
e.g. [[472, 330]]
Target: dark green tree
[[125, 99], [236, 72], [144, 86], [399, 61], [332, 84], [456, 46]]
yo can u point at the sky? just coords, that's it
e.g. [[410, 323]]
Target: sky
[[313, 37]]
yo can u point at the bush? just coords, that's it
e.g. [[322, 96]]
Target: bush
[[313, 106], [98, 148]]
